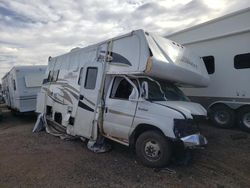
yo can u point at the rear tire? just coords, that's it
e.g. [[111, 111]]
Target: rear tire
[[153, 149], [222, 116], [243, 119]]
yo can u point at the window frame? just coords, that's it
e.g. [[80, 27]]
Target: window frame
[[86, 78], [209, 63], [239, 63], [57, 74], [116, 98], [51, 76], [80, 76], [14, 84]]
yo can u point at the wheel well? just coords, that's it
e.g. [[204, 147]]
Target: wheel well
[[141, 128], [234, 106], [242, 107], [237, 109], [218, 104]]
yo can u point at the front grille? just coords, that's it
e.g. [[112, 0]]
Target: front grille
[[185, 127]]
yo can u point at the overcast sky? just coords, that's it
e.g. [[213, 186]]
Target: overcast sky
[[31, 31]]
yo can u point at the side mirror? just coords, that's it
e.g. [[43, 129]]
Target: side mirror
[[133, 95], [144, 90]]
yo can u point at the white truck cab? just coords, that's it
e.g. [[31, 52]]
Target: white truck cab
[[151, 115]]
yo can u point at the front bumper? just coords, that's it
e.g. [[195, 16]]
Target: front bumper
[[194, 141]]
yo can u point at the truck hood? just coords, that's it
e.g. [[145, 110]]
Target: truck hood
[[188, 108]]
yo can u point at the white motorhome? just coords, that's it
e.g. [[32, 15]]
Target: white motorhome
[[125, 89], [20, 87], [224, 45]]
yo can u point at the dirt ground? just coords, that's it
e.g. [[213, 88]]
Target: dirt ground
[[40, 160]]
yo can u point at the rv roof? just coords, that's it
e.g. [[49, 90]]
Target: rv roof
[[210, 21], [99, 43], [21, 67]]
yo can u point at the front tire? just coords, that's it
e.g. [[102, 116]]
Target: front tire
[[244, 119], [153, 149], [222, 116]]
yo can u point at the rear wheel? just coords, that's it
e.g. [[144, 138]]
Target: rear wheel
[[222, 116], [153, 149], [244, 118]]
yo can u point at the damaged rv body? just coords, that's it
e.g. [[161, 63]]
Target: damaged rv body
[[125, 89], [20, 87]]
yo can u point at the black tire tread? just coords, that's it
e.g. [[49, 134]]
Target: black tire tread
[[223, 107], [165, 145], [240, 115]]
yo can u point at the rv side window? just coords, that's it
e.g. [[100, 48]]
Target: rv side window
[[121, 89], [80, 77], [50, 76], [90, 79], [209, 63], [55, 75], [14, 84], [242, 61]]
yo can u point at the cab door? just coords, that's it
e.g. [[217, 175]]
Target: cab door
[[90, 82], [119, 109]]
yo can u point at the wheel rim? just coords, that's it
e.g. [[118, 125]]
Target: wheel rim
[[246, 120], [222, 117], [152, 150]]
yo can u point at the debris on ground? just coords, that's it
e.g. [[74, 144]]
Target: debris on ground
[[99, 145], [42, 160], [165, 170]]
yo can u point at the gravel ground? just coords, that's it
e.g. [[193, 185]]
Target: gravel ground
[[42, 160]]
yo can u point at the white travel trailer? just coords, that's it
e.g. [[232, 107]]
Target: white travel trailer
[[224, 44], [125, 89], [20, 87]]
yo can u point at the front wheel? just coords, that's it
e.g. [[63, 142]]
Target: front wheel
[[153, 149], [244, 119]]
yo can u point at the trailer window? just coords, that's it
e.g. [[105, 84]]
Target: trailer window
[[90, 80], [50, 76], [33, 79], [209, 63], [242, 61], [80, 77], [14, 84], [55, 76]]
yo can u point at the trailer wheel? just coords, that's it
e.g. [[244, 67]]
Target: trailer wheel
[[244, 118], [222, 116], [153, 149]]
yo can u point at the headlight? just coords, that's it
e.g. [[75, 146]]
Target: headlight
[[185, 127]]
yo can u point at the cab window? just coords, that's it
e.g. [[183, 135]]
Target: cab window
[[121, 89]]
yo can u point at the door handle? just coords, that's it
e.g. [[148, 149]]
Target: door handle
[[81, 97]]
